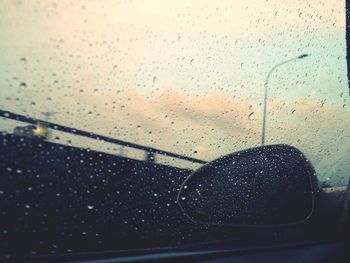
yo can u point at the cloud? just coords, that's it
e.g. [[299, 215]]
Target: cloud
[[210, 124]]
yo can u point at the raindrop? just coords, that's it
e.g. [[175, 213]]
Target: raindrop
[[293, 112], [251, 116], [23, 59], [90, 207], [23, 85]]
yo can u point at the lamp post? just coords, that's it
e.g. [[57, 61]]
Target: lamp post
[[266, 91]]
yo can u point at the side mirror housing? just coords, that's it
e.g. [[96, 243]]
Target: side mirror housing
[[268, 185]]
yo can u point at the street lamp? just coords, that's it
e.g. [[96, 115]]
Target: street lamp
[[266, 89]]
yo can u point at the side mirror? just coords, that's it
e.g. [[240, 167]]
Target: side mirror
[[267, 185]]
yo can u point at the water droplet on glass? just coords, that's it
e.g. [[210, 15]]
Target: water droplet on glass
[[293, 112], [23, 85], [154, 80], [90, 207], [251, 116]]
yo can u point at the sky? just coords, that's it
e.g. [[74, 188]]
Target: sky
[[183, 76]]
